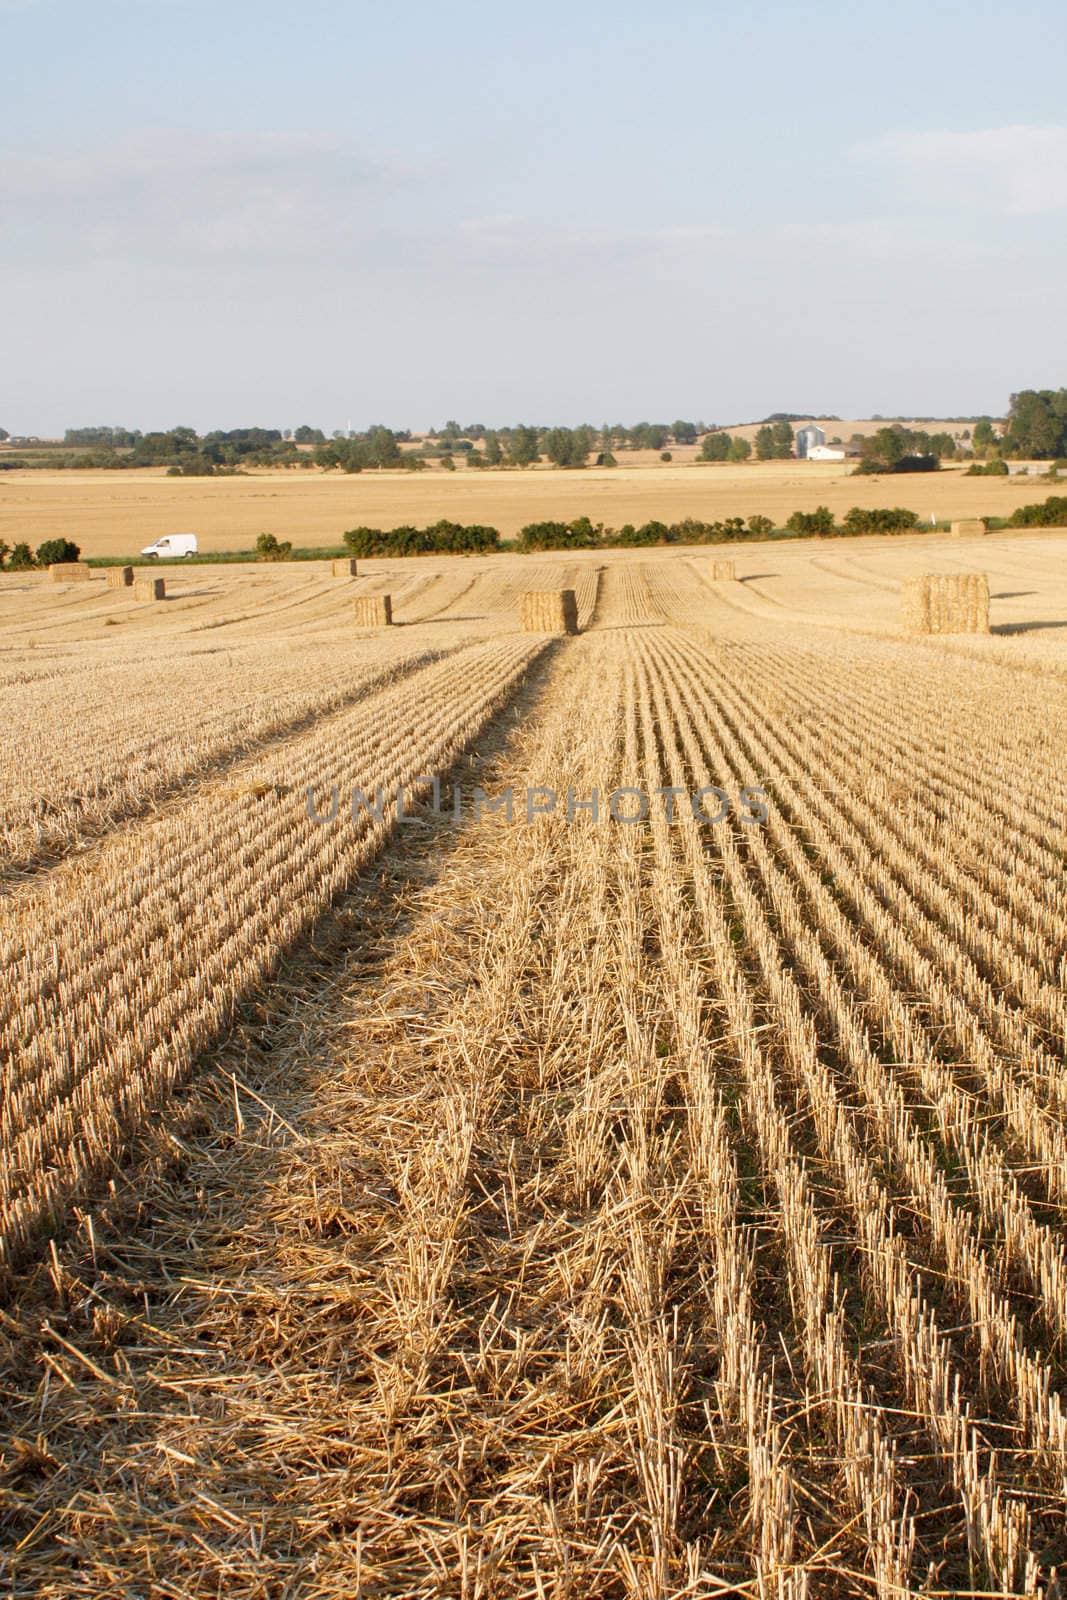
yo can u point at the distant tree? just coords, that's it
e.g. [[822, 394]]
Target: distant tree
[[649, 436], [448, 463], [984, 438], [740, 449], [684, 432], [566, 447], [492, 453], [606, 460], [21, 558], [1037, 424], [382, 448], [765, 450], [715, 447], [665, 455], [54, 551], [782, 435], [522, 446], [883, 450], [307, 435], [760, 527]]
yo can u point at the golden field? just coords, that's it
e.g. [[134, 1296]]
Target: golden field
[[652, 1196], [118, 513]]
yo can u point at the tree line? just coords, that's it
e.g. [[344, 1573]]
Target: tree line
[[1035, 428]]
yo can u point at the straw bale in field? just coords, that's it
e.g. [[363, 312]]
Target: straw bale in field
[[374, 610], [344, 567], [549, 611], [120, 577], [968, 527], [69, 571], [955, 602], [723, 571], [150, 589]]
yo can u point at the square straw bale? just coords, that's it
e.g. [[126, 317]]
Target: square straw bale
[[374, 610], [549, 611], [955, 602]]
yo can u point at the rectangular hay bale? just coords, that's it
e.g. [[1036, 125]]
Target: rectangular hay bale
[[120, 577], [968, 527], [150, 589], [724, 571], [549, 611], [69, 571], [954, 602], [344, 567], [374, 610]]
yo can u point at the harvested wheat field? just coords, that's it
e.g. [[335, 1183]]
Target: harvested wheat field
[[119, 513], [642, 1175]]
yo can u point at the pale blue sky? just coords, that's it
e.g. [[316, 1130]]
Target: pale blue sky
[[230, 213]]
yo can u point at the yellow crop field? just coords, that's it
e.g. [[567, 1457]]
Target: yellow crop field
[[510, 1113], [119, 513]]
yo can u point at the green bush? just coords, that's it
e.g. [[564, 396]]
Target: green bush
[[1050, 513], [648, 533], [692, 531], [883, 519], [57, 550], [20, 559], [268, 548], [760, 527], [715, 447], [443, 538], [821, 520], [577, 535], [988, 469]]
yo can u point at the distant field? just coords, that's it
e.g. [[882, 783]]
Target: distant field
[[116, 513]]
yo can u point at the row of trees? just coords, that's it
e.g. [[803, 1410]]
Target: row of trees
[[583, 534], [1036, 427]]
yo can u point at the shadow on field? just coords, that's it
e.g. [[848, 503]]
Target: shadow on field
[[1025, 627]]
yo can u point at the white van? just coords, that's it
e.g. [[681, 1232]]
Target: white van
[[171, 545]]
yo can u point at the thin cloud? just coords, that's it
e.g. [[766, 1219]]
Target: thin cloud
[[1019, 169], [171, 196]]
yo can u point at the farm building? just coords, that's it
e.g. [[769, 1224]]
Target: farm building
[[826, 452], [808, 439]]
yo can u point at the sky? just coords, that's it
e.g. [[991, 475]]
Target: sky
[[228, 214]]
